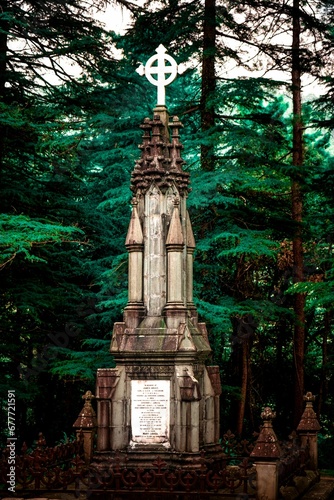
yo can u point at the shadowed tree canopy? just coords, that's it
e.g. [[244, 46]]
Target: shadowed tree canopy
[[55, 60]]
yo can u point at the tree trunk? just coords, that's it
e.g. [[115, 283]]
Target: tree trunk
[[3, 67], [297, 212], [3, 48], [244, 387], [208, 81], [323, 389]]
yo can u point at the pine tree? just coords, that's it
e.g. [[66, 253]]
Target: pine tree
[[250, 140], [299, 58], [48, 294]]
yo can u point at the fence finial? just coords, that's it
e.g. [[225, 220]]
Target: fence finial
[[309, 421], [267, 445], [87, 416], [41, 440]]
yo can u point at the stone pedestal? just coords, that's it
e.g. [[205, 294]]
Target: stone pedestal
[[85, 426], [161, 399], [266, 454], [308, 429], [266, 480]]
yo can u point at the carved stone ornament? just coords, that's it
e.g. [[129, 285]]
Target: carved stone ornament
[[149, 371], [267, 445], [160, 161], [87, 416], [309, 421], [189, 386]]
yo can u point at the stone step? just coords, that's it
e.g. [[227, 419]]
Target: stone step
[[323, 490], [310, 486]]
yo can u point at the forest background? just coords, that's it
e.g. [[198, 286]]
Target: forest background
[[260, 152]]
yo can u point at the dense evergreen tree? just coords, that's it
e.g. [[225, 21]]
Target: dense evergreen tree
[[307, 53], [50, 230], [68, 152], [294, 39]]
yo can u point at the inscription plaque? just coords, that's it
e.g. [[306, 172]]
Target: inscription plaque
[[150, 418]]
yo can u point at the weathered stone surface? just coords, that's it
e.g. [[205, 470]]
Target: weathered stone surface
[[266, 480], [309, 421], [302, 483], [267, 445], [323, 490], [308, 487], [213, 372], [308, 429], [289, 492], [159, 342], [87, 416], [161, 161]]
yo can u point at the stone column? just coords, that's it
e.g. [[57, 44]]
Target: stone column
[[174, 245], [187, 411], [175, 307], [161, 111], [134, 243], [308, 428], [107, 379], [86, 424], [190, 243], [266, 454], [213, 390], [154, 252]]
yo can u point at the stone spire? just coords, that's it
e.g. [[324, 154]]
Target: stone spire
[[267, 445], [308, 429], [160, 239]]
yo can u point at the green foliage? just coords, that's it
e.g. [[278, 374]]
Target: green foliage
[[67, 152], [19, 234], [55, 242], [247, 243], [83, 364], [242, 224]]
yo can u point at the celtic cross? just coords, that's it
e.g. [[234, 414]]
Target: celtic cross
[[161, 70]]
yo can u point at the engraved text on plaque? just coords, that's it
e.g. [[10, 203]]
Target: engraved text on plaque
[[150, 402]]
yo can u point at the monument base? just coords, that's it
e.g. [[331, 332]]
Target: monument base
[[169, 409], [150, 457]]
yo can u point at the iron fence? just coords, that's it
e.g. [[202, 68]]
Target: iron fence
[[62, 468], [236, 481], [294, 460]]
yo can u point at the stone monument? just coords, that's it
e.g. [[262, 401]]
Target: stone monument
[[161, 399]]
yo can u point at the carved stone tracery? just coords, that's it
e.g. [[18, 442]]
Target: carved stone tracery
[[160, 160]]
